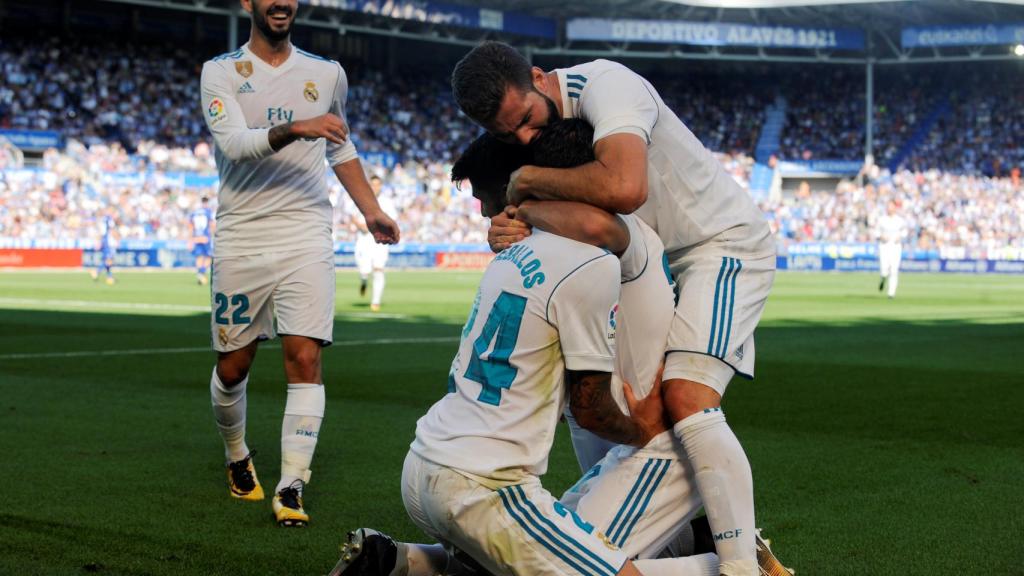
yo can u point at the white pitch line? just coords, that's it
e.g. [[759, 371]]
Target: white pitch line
[[87, 304], [207, 349]]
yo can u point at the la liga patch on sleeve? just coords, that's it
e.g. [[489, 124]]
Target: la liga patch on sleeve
[[216, 111]]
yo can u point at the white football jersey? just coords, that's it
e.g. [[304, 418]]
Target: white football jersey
[[646, 308], [892, 229], [544, 306], [691, 199], [272, 201]]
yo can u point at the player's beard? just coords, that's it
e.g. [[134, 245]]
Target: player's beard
[[553, 115], [259, 18]]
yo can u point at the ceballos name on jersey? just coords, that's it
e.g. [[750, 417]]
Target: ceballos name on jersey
[[529, 267]]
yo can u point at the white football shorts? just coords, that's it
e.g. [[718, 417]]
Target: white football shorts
[[249, 291], [640, 499], [720, 303], [517, 529], [369, 255]]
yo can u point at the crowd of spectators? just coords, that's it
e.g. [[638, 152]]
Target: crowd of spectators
[[128, 115], [957, 216], [97, 93], [824, 115]]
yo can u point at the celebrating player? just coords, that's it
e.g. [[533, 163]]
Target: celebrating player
[[633, 496], [720, 248], [370, 256], [201, 224], [276, 113]]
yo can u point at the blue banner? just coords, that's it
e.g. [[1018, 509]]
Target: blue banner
[[33, 139], [826, 167], [810, 263], [713, 34], [451, 14], [976, 35]]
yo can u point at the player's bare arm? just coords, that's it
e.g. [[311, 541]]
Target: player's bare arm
[[576, 220], [616, 181], [353, 178], [328, 126], [594, 408]]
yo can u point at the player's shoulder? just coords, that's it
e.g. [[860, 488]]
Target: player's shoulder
[[316, 60], [566, 256], [606, 74], [225, 59]]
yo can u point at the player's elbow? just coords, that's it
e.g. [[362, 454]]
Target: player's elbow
[[631, 195]]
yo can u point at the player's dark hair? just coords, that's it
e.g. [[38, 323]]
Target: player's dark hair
[[481, 78], [487, 163], [564, 144]]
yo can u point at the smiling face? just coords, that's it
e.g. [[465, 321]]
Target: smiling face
[[273, 18]]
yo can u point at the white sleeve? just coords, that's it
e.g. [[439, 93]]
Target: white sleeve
[[634, 259], [226, 121], [341, 153], [618, 101], [582, 309]]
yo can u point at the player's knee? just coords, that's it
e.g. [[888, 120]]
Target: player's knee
[[684, 398], [304, 362], [231, 373]]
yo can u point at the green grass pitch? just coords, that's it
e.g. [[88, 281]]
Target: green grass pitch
[[886, 437]]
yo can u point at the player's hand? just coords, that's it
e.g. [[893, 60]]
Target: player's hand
[[505, 230], [647, 414], [329, 126], [514, 192], [383, 228]]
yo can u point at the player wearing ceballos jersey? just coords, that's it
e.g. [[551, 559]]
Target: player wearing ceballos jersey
[[719, 247], [277, 115], [201, 224]]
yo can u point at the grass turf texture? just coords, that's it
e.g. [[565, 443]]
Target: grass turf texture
[[885, 436]]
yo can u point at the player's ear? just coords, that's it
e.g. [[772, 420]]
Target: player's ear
[[537, 76], [246, 5]]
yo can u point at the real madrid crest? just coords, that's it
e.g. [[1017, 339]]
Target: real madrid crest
[[310, 91], [244, 68]]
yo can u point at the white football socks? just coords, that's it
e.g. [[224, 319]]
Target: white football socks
[[726, 486], [303, 412], [378, 287], [229, 411], [700, 565]]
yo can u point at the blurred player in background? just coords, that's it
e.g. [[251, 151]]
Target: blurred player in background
[[276, 114], [372, 257], [201, 225], [891, 229], [108, 247], [720, 248]]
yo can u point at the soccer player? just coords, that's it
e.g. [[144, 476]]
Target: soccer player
[[632, 495], [201, 225], [372, 257], [540, 324], [276, 114], [720, 248], [891, 230], [108, 247]]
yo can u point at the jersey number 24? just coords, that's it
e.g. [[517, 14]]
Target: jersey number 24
[[493, 370]]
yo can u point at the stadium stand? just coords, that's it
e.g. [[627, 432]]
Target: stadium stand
[[128, 109]]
